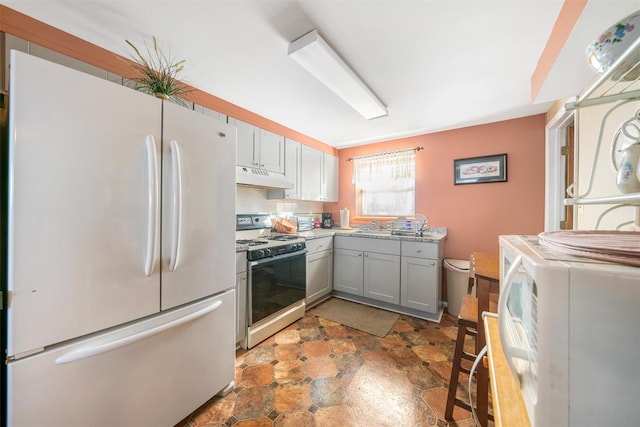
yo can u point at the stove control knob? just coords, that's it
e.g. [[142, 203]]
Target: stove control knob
[[260, 253], [267, 252]]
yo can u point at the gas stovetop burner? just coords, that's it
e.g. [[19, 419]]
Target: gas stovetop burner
[[283, 238], [252, 242]]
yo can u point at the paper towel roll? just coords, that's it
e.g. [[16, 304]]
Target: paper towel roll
[[344, 218]]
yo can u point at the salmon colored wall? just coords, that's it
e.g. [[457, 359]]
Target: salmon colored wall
[[475, 214]]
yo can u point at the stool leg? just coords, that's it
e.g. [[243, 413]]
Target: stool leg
[[455, 372]]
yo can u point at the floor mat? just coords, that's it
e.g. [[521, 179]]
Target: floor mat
[[359, 316]]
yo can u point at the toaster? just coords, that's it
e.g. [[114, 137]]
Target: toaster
[[305, 223]]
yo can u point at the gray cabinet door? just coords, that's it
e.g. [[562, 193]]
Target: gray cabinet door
[[348, 271], [419, 284], [241, 306], [382, 277], [319, 275]]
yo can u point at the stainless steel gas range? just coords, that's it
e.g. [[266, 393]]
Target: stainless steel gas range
[[276, 282]]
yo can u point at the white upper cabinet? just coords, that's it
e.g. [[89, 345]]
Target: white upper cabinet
[[311, 168], [291, 168], [330, 178], [313, 174], [271, 150], [291, 172], [258, 148], [245, 143]]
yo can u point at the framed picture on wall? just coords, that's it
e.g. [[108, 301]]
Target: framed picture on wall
[[476, 170]]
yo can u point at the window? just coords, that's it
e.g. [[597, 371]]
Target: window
[[385, 184]]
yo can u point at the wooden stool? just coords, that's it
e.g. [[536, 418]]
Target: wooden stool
[[467, 325]]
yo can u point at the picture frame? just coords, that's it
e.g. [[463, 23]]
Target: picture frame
[[477, 170]]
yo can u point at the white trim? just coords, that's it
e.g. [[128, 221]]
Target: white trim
[[554, 191]]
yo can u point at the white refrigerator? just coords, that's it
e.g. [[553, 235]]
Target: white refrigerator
[[120, 253]]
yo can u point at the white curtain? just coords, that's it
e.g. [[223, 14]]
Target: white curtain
[[385, 184], [384, 168]]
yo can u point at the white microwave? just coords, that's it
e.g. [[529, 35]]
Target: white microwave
[[570, 329]]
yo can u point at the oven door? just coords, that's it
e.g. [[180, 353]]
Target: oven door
[[276, 283]]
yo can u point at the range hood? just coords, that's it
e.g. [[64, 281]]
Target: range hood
[[260, 178]]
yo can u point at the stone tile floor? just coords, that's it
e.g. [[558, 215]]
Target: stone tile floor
[[319, 373]]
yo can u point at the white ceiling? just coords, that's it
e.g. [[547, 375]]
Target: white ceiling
[[436, 64]]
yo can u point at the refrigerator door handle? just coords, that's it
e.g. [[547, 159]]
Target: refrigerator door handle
[[176, 230], [94, 350], [152, 206]]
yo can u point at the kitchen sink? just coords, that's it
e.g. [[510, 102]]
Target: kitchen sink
[[375, 232]]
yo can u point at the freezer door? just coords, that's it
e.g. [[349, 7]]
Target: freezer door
[[198, 225], [82, 217], [152, 373]]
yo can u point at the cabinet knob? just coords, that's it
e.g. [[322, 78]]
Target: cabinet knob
[[419, 250], [366, 255], [222, 134], [319, 246]]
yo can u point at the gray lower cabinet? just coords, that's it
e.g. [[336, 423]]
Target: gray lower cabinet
[[241, 296], [420, 276], [381, 275], [319, 269], [418, 286], [367, 267], [348, 272], [404, 274]]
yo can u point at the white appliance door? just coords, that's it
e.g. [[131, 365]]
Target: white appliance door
[[81, 209], [151, 373], [198, 206], [518, 314]]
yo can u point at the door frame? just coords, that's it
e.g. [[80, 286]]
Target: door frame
[[555, 168]]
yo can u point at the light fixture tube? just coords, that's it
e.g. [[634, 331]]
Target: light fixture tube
[[317, 57]]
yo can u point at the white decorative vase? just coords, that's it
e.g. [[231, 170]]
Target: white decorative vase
[[627, 176]]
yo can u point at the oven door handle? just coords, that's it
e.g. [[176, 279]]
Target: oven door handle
[[277, 257]]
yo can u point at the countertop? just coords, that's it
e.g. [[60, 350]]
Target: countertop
[[431, 234]]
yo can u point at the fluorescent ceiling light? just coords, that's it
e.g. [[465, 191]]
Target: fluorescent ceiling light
[[317, 57]]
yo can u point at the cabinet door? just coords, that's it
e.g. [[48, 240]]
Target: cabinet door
[[291, 168], [246, 150], [419, 287], [319, 275], [310, 173], [271, 152], [382, 277], [330, 178], [241, 306], [348, 273]]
